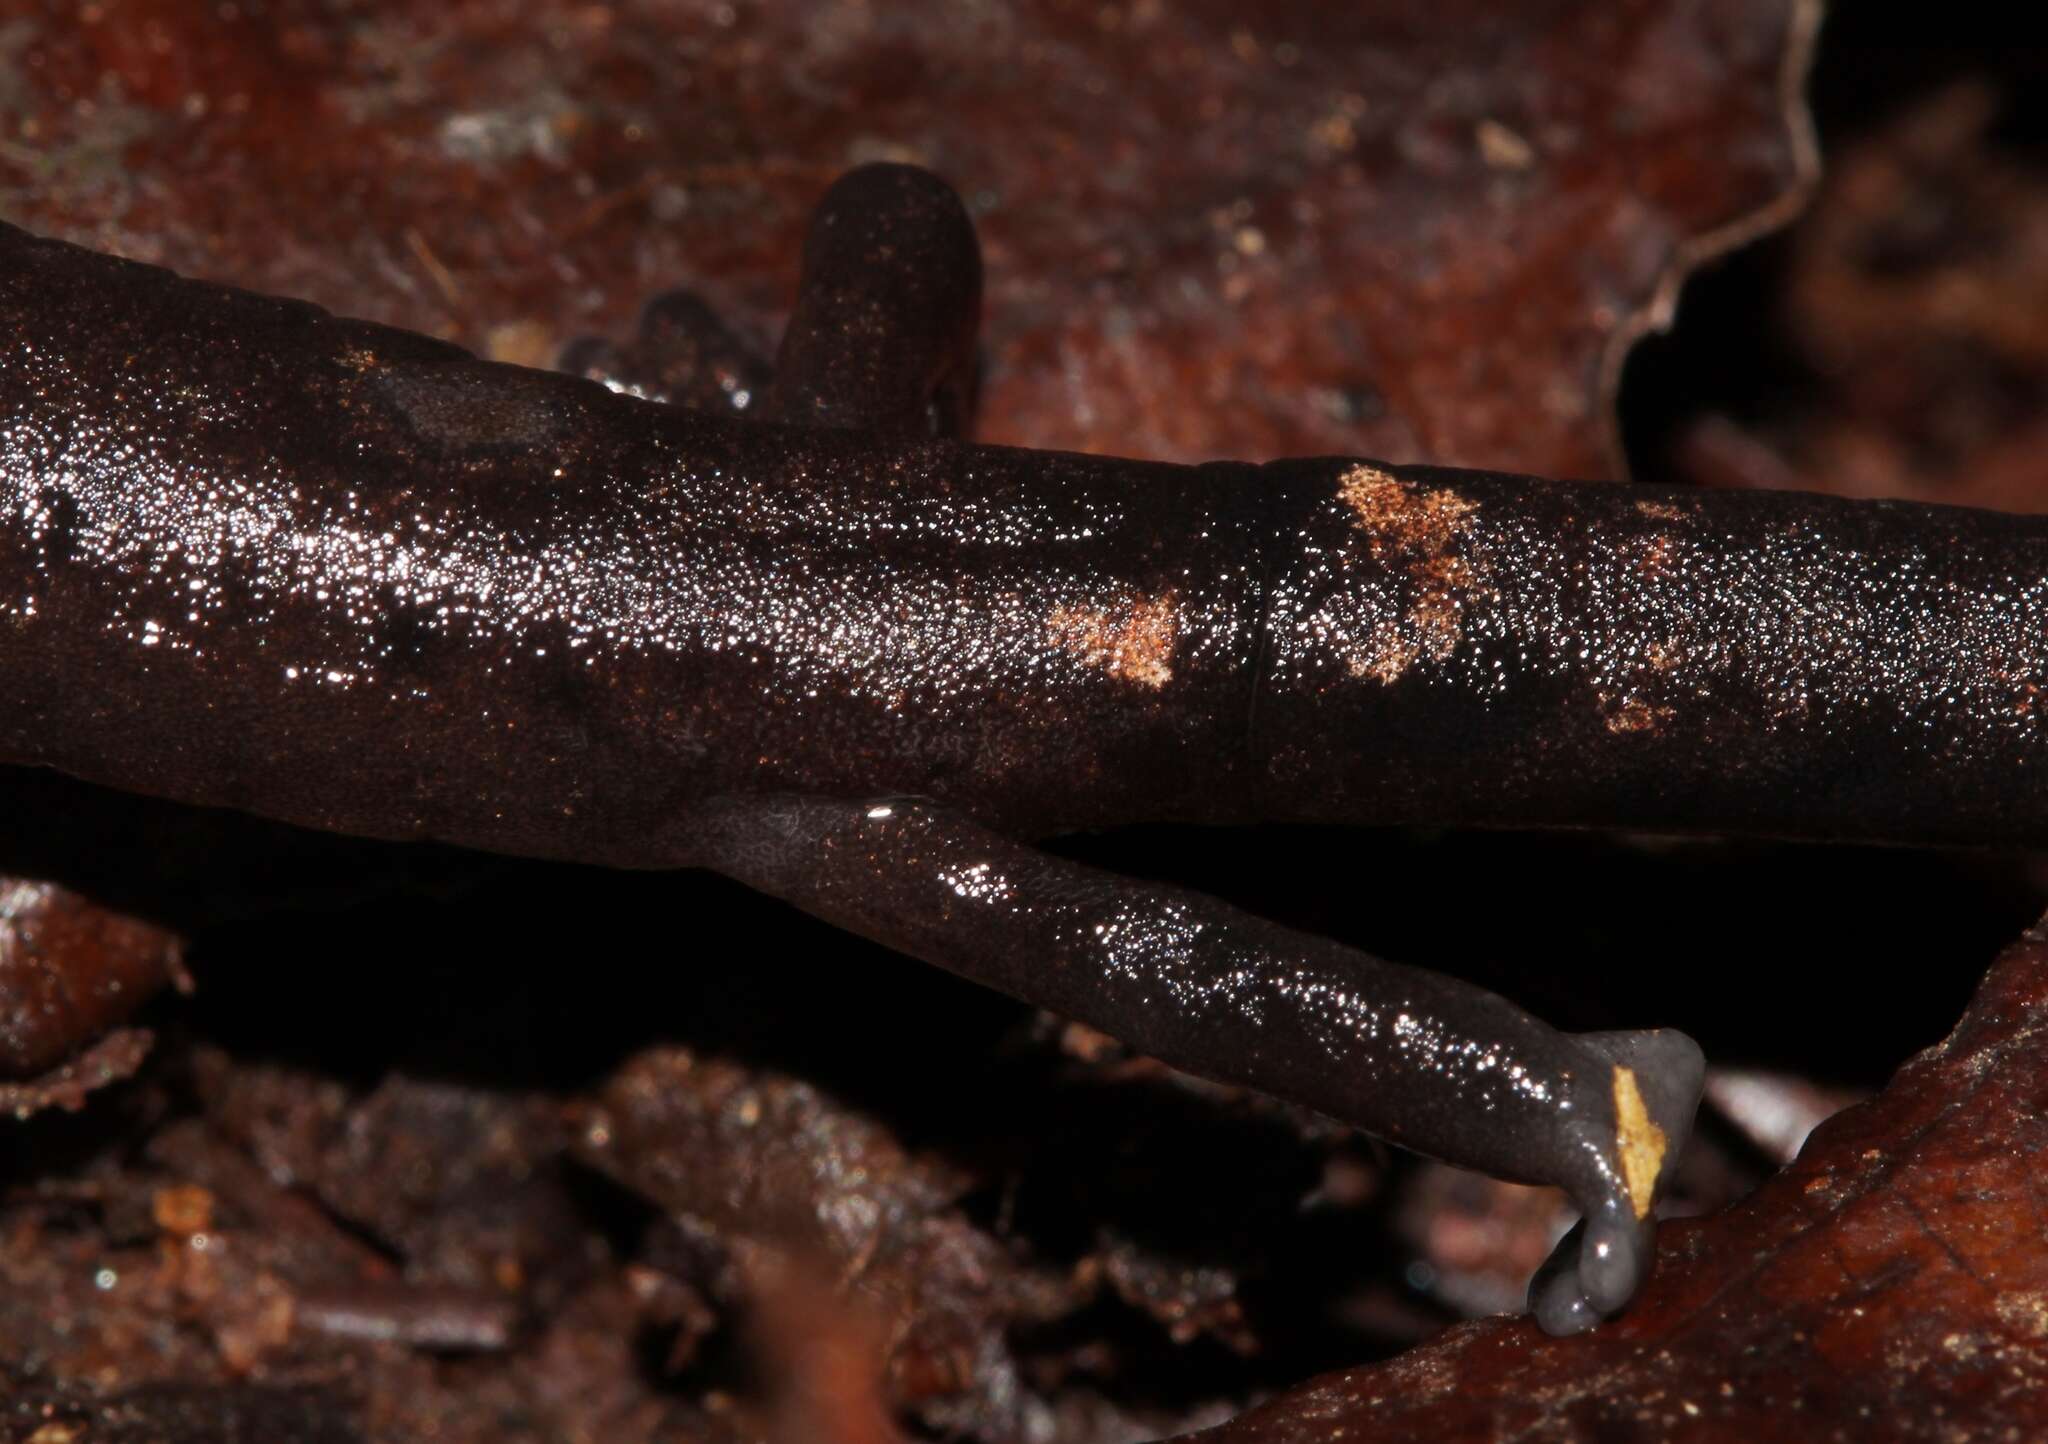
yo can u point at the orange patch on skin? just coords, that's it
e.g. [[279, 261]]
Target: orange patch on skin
[[1654, 554], [1399, 517], [1446, 583], [1391, 654], [1403, 522], [1633, 710], [1134, 643], [1633, 714]]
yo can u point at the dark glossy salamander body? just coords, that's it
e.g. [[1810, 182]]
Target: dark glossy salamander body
[[242, 539], [333, 573]]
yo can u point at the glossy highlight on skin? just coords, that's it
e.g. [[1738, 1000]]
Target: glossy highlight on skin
[[418, 539], [255, 556]]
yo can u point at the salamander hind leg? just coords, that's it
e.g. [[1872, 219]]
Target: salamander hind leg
[[1629, 1130], [1416, 1057]]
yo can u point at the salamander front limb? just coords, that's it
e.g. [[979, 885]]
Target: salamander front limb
[[882, 335]]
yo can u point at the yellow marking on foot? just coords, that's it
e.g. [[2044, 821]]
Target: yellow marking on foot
[[1638, 1142]]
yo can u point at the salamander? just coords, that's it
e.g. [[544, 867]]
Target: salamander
[[332, 573]]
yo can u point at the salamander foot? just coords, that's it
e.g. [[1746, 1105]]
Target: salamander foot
[[1651, 1091]]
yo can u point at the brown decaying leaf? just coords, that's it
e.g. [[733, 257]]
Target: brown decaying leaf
[[71, 969], [1420, 231], [106, 1060], [773, 1172]]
